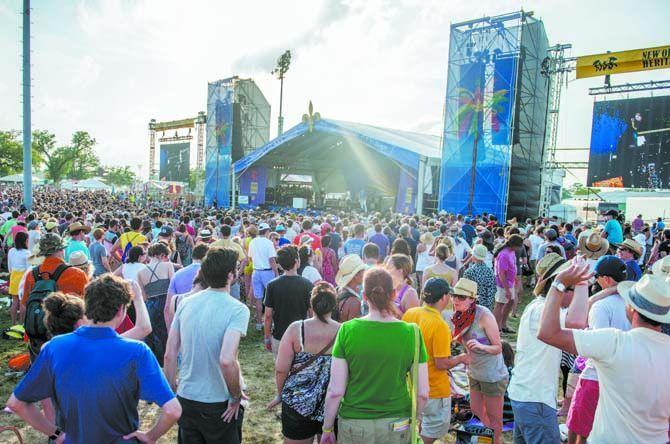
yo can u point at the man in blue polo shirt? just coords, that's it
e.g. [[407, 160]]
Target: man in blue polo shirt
[[95, 378], [613, 231]]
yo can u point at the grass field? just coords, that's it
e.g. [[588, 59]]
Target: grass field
[[260, 425]]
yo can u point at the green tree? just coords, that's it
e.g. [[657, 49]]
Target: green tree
[[57, 161], [85, 163], [120, 176], [194, 178], [11, 160]]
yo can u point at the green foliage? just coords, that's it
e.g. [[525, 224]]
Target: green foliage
[[57, 161], [85, 163], [120, 176], [195, 177], [578, 189], [11, 153]]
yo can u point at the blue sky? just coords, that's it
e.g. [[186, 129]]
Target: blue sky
[[110, 66]]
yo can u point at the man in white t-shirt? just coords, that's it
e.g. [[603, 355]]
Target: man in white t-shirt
[[608, 310], [264, 257], [534, 384], [633, 366]]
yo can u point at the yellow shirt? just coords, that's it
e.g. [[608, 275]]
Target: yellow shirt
[[227, 243], [133, 237], [437, 339]]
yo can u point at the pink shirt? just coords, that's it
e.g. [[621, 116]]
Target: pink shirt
[[506, 261], [15, 229]]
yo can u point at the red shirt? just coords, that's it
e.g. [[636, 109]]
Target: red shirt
[[73, 280], [316, 240]]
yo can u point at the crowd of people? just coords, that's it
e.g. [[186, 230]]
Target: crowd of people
[[382, 327]]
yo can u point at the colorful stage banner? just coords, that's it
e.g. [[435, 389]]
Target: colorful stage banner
[[405, 200], [218, 161], [645, 59], [504, 77], [253, 184]]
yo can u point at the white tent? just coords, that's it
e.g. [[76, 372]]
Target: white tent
[[18, 178], [567, 213], [87, 184]]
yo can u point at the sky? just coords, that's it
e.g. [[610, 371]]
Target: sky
[[109, 66]]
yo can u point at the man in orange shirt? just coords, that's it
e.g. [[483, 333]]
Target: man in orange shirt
[[71, 280], [437, 338]]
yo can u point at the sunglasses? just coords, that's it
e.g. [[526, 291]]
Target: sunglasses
[[460, 297], [623, 249]]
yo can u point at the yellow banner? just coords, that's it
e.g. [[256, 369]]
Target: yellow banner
[[624, 61]]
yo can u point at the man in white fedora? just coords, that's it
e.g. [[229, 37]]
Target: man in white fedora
[[348, 279], [633, 366]]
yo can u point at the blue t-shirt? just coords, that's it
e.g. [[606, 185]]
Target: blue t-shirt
[[354, 246], [182, 281], [614, 232], [283, 241], [633, 270], [95, 379], [97, 253]]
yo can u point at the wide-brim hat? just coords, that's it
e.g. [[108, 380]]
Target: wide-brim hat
[[465, 287], [350, 265], [35, 258], [549, 266], [650, 296], [661, 267], [78, 226], [50, 243], [479, 252], [50, 225], [78, 258], [593, 246], [631, 245]]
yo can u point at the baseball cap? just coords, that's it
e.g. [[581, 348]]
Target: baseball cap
[[263, 226], [166, 230], [551, 234], [204, 234], [434, 289], [611, 266], [280, 228]]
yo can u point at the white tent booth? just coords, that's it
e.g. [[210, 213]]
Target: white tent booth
[[92, 184], [18, 178]]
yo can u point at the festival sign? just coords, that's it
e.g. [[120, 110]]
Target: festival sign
[[644, 59]]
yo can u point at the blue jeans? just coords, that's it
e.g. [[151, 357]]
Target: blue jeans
[[535, 423]]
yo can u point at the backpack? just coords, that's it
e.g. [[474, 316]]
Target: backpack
[[126, 250], [336, 316], [34, 321]]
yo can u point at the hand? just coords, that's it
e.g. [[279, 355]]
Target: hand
[[466, 359], [474, 345], [328, 438], [140, 436], [576, 273], [233, 409], [60, 439], [274, 403], [268, 344]]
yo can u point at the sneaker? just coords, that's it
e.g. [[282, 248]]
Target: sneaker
[[259, 327]]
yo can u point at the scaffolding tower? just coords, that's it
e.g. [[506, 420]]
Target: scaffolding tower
[[254, 115]]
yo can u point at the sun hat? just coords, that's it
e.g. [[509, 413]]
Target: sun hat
[[650, 296], [51, 224], [78, 258], [661, 267], [611, 266], [50, 243], [205, 233], [427, 238], [549, 266], [479, 252], [631, 245], [35, 259], [306, 239], [350, 265], [465, 287], [593, 246], [435, 288], [78, 226]]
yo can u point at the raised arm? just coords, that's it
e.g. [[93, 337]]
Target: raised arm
[[142, 327]]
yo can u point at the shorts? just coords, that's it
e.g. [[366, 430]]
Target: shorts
[[297, 427], [371, 431], [489, 388], [259, 282], [583, 407], [501, 297], [235, 290], [436, 418], [535, 423]]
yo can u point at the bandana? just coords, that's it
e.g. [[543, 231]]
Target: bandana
[[463, 320]]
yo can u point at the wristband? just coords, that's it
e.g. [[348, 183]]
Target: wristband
[[326, 429], [55, 434]]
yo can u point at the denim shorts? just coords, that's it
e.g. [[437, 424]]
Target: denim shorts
[[535, 423]]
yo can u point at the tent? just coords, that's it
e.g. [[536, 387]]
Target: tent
[[345, 156], [18, 178], [87, 184]]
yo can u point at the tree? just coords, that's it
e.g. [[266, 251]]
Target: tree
[[121, 176], [85, 163], [11, 160], [195, 177], [57, 160]]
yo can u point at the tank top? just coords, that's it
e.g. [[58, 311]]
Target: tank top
[[398, 299], [484, 367], [156, 286]]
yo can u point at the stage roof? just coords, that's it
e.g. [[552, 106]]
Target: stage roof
[[298, 143]]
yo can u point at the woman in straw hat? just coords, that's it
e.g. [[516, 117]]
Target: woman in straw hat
[[632, 366], [592, 247], [423, 257], [630, 251], [349, 278], [483, 275], [476, 328]]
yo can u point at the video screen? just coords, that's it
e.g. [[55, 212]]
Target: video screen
[[630, 143], [174, 162]]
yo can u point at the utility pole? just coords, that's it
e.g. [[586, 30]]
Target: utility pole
[[283, 63], [27, 136]]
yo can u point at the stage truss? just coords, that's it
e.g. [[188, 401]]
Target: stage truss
[[164, 128]]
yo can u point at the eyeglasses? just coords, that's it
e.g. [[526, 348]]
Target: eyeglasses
[[460, 297]]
